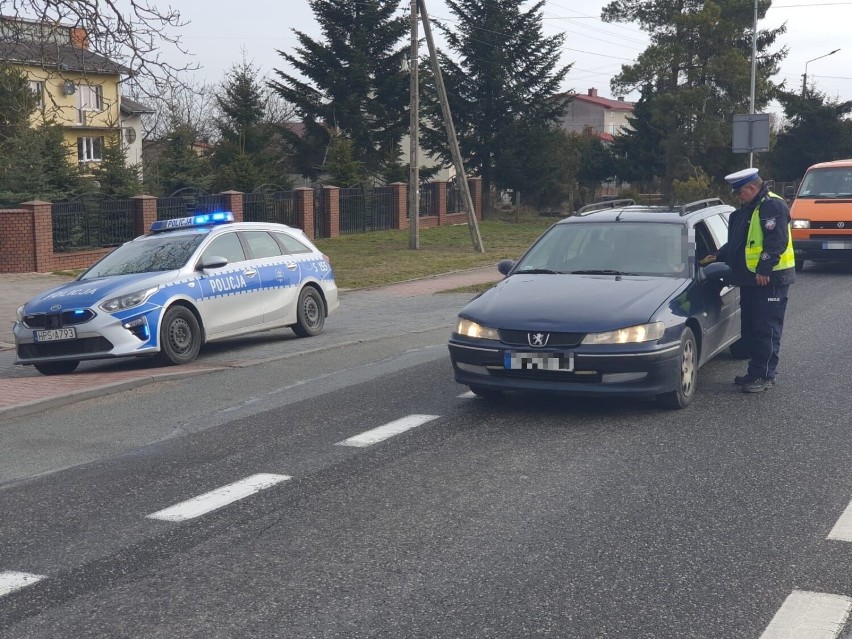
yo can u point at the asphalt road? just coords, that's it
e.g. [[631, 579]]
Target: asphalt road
[[531, 517]]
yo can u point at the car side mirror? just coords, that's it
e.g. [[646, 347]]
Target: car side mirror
[[212, 261], [714, 272], [504, 266], [789, 192]]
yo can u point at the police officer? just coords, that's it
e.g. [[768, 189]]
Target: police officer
[[760, 253]]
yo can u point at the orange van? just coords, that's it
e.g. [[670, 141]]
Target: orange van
[[822, 214]]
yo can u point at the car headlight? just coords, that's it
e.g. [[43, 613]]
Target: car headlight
[[630, 335], [472, 329], [801, 224], [20, 313], [130, 300]]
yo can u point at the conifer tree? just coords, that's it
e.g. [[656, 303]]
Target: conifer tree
[[351, 80], [503, 70]]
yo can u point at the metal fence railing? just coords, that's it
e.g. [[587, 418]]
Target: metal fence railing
[[353, 210], [91, 221], [453, 199], [186, 202], [428, 192], [278, 206]]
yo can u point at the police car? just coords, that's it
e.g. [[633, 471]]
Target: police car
[[190, 281]]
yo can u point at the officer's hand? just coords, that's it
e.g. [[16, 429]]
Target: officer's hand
[[762, 280], [709, 259]]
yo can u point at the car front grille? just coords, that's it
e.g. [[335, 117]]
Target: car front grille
[[84, 346], [58, 320], [522, 338]]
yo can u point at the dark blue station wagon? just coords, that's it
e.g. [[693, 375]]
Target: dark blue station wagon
[[611, 301]]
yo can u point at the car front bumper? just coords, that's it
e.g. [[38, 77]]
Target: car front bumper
[[823, 249], [645, 371]]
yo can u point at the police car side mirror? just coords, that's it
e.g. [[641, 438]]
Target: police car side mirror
[[715, 271], [211, 261], [504, 266]]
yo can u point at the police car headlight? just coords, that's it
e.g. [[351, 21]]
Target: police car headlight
[[468, 328], [801, 224], [630, 335], [128, 301]]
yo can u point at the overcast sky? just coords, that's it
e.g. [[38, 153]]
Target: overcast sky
[[220, 30]]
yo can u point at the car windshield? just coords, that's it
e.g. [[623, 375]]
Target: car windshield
[[827, 183], [610, 248], [156, 253]]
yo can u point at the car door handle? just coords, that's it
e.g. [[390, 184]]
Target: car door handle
[[292, 266], [250, 272]]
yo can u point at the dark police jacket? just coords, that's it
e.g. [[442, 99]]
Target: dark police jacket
[[775, 222]]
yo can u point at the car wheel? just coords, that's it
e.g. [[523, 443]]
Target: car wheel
[[310, 315], [739, 350], [486, 393], [180, 337], [687, 373], [57, 368], [800, 265]]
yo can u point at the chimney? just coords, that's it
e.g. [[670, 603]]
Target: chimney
[[621, 98], [79, 37], [593, 93]]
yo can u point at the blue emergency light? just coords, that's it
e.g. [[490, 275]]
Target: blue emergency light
[[202, 219]]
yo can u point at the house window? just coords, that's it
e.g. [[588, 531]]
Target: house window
[[38, 89], [89, 98], [90, 149]]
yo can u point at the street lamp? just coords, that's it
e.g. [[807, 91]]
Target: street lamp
[[805, 76]]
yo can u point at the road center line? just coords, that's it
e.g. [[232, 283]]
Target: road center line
[[223, 496], [814, 615], [11, 581], [390, 429], [842, 530]]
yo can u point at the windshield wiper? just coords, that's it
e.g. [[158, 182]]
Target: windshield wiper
[[537, 271], [605, 271]]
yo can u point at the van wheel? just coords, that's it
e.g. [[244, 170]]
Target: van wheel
[[800, 264], [688, 373]]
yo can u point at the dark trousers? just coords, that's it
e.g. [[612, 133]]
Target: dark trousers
[[761, 324]]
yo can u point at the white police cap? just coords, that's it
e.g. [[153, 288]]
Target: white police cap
[[741, 178]]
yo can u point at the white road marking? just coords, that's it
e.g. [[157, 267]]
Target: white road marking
[[223, 496], [376, 435], [842, 530], [467, 395], [11, 581], [809, 615]]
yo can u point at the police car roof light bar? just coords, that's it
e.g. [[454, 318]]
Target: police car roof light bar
[[193, 221]]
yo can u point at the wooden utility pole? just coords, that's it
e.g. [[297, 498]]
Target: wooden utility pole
[[414, 139], [461, 177]]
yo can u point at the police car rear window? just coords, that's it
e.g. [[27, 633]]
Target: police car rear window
[[291, 244], [156, 253]]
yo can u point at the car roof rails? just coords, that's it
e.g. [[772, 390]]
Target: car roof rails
[[601, 206], [700, 204]]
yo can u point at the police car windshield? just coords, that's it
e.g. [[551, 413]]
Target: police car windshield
[[610, 248], [153, 254]]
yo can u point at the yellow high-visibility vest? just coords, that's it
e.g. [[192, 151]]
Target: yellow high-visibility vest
[[754, 242]]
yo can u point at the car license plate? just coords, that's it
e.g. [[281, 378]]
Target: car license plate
[[539, 362], [837, 245], [55, 335]]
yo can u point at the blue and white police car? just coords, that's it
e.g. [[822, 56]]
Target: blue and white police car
[[190, 281]]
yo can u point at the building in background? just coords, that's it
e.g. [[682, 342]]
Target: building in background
[[590, 112]]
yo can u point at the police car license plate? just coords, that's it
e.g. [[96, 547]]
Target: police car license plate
[[836, 245], [55, 334], [539, 362]]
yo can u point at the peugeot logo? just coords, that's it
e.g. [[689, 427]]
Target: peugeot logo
[[56, 307], [538, 340], [840, 225]]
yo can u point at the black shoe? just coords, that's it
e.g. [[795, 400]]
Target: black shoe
[[742, 380], [757, 385]]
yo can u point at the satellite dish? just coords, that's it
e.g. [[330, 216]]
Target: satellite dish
[[69, 88], [130, 135]]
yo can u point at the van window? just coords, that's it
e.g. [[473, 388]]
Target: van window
[[827, 183]]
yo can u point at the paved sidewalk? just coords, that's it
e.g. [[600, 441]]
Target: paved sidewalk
[[23, 394]]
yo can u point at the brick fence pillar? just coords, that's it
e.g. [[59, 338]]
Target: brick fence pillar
[[305, 210], [234, 204], [17, 239], [399, 205], [42, 234], [331, 210], [440, 201], [475, 186], [144, 213]]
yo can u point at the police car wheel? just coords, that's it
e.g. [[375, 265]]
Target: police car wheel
[[57, 368], [682, 396], [310, 315], [180, 336]]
